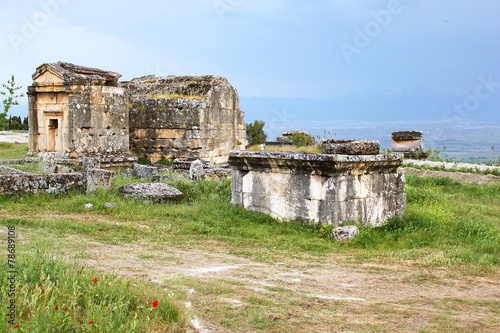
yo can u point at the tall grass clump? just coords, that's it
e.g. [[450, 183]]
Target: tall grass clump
[[53, 295], [462, 220]]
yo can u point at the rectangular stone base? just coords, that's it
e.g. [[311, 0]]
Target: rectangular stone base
[[318, 187]]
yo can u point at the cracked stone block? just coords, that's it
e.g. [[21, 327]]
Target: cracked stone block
[[151, 192], [144, 171], [100, 179]]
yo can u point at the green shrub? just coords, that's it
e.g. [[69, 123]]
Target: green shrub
[[301, 139], [144, 160], [255, 133], [164, 161]]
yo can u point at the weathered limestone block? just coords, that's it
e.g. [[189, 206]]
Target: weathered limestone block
[[90, 162], [100, 179], [152, 192], [196, 171], [319, 187], [350, 147], [144, 171], [200, 114]]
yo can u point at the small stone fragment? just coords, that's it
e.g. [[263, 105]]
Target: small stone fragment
[[89, 206], [110, 204], [344, 234]]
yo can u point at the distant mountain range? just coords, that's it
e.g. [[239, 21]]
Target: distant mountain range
[[380, 106], [375, 115]]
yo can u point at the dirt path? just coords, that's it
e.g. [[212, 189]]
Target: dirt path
[[319, 295]]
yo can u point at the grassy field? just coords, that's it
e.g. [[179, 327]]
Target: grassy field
[[235, 270], [12, 150]]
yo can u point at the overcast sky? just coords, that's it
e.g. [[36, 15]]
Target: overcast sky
[[277, 48]]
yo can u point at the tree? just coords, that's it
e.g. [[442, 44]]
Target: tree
[[301, 139], [255, 133], [10, 100]]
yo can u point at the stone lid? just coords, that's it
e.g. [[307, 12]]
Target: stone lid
[[71, 73], [350, 147], [407, 135], [316, 163], [195, 87]]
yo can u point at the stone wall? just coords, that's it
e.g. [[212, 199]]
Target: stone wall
[[34, 183], [319, 187], [185, 117]]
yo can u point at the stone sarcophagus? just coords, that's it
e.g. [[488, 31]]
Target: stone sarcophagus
[[325, 188], [409, 143]]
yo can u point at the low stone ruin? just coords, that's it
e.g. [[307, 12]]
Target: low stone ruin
[[350, 147], [151, 192], [409, 143], [326, 188]]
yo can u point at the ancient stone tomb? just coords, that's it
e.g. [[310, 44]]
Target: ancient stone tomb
[[77, 111], [326, 188]]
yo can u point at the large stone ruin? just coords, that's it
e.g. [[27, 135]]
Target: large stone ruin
[[409, 143], [77, 111], [327, 188], [185, 117]]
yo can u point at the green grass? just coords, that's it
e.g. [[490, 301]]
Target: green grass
[[447, 224], [439, 217], [12, 150], [53, 295], [461, 221]]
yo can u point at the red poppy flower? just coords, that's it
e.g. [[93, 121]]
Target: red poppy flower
[[165, 195], [91, 322], [65, 309], [155, 303], [124, 302], [17, 326], [95, 280], [57, 307]]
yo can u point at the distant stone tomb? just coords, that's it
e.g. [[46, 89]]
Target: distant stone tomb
[[409, 143], [325, 188]]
